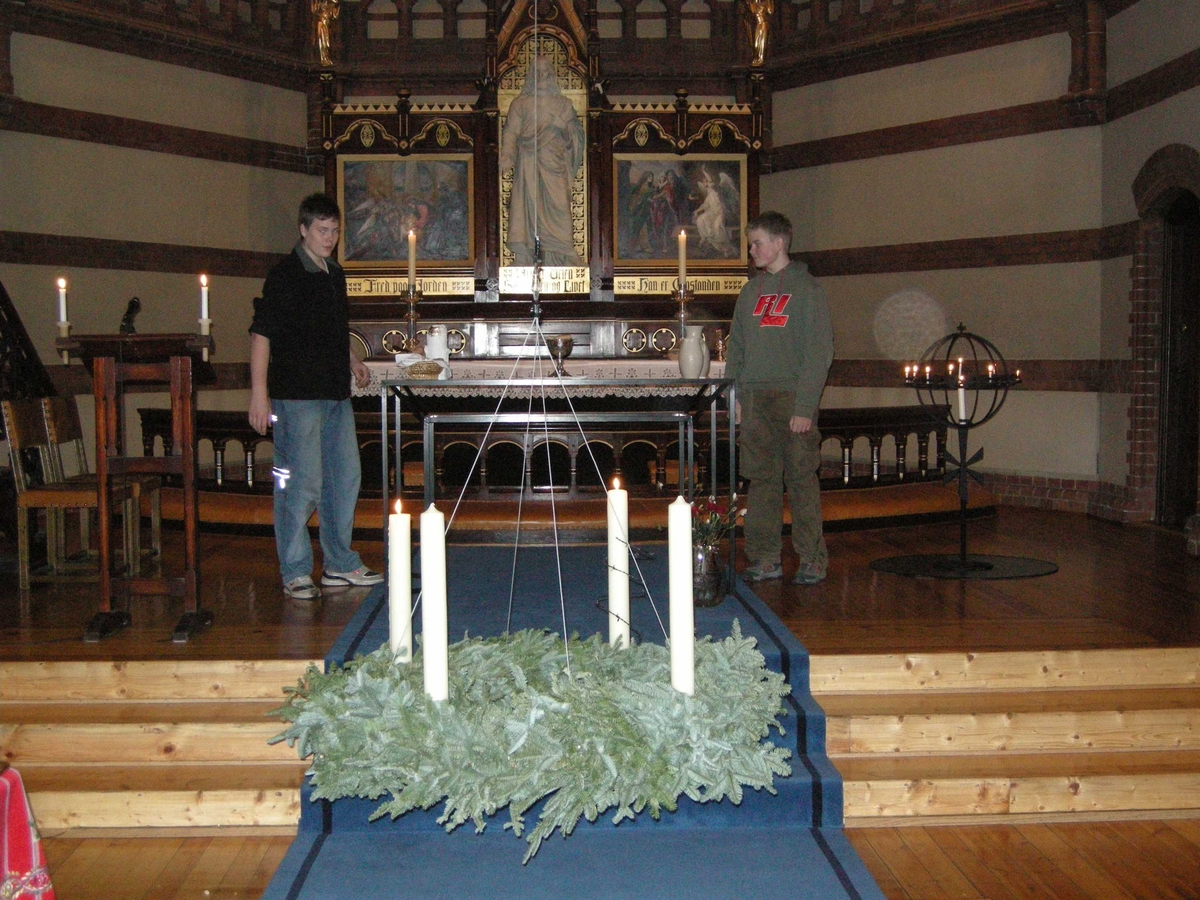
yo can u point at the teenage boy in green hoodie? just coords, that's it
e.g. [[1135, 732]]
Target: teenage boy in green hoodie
[[780, 350]]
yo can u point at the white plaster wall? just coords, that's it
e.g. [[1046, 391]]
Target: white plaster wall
[[992, 78], [1133, 139], [1116, 283], [1150, 33], [1042, 433], [232, 401], [1040, 312], [97, 299], [1113, 462], [77, 77], [1044, 182], [1037, 433], [94, 190]]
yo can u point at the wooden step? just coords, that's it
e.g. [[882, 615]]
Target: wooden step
[[841, 509], [173, 795], [1005, 701], [139, 711], [153, 680], [1027, 785], [1142, 729], [901, 766], [147, 777], [1005, 670], [997, 735], [93, 743], [166, 809]]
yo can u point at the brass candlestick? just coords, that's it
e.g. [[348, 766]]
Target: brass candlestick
[[683, 295], [412, 295]]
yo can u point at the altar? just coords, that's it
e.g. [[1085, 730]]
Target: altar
[[514, 401]]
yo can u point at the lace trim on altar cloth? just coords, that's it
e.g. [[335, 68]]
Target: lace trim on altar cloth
[[500, 370]]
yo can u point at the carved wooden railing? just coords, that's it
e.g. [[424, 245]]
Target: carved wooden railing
[[258, 25], [802, 23], [875, 424], [643, 456], [442, 44]]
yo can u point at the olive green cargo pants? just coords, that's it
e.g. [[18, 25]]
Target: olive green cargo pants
[[772, 454]]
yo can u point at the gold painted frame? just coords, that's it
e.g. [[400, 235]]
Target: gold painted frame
[[555, 45], [656, 194], [383, 195]]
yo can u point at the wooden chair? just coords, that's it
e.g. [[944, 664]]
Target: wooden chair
[[26, 430], [61, 415]]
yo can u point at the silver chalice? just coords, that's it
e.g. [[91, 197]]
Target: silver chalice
[[560, 347]]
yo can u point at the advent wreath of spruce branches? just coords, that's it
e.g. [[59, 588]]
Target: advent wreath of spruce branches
[[612, 734]]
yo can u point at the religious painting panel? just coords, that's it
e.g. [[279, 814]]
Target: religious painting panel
[[542, 98], [655, 196], [384, 196]]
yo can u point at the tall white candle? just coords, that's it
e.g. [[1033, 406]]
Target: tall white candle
[[400, 584], [682, 257], [679, 583], [62, 299], [618, 566], [412, 259], [434, 625], [203, 296], [962, 401]]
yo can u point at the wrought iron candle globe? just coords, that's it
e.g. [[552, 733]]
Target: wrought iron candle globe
[[962, 379]]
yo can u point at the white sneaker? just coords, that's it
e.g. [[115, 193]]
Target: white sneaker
[[360, 577], [302, 588]]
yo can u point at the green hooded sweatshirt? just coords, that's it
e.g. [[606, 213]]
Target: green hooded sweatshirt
[[781, 338]]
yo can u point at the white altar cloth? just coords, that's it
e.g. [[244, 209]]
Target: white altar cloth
[[662, 374]]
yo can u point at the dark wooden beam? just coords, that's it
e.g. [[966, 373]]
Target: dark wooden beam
[[226, 50], [1028, 118], [1159, 84], [827, 54], [117, 131], [1042, 248], [32, 248]]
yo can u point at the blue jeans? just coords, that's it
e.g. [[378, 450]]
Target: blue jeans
[[317, 467]]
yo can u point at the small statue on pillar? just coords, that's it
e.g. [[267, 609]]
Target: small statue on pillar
[[325, 12], [758, 22]]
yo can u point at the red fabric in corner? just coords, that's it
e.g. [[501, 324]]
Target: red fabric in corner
[[23, 874]]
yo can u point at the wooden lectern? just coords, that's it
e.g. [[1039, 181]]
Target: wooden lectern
[[115, 361]]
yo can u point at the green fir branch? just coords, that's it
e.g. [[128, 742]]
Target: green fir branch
[[608, 736]]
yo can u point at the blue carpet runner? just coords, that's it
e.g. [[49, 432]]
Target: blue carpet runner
[[788, 845]]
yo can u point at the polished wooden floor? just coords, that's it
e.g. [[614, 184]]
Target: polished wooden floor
[[1117, 587], [1143, 860]]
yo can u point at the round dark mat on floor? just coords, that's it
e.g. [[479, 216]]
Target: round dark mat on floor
[[979, 566]]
